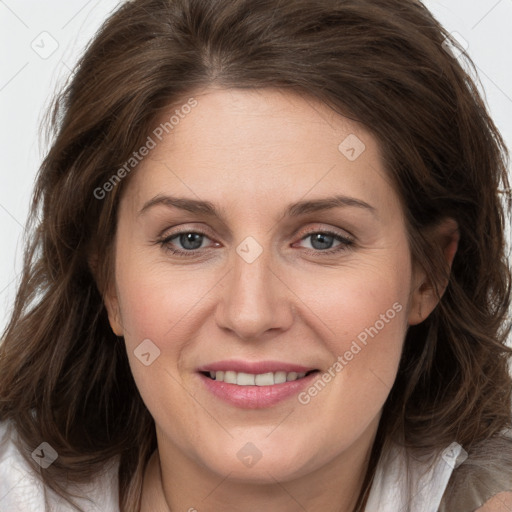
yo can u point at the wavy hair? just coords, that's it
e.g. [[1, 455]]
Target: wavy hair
[[65, 376]]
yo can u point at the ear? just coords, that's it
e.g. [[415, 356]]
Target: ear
[[110, 297], [423, 291], [114, 316]]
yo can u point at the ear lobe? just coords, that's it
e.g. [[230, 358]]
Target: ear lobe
[[109, 295], [424, 296], [114, 316]]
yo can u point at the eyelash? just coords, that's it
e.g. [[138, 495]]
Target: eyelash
[[346, 243]]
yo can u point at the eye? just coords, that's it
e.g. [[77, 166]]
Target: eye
[[321, 242], [190, 241]]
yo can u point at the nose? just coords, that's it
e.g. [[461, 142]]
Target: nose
[[255, 299]]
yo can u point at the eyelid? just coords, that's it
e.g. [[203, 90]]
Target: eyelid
[[184, 228], [343, 233]]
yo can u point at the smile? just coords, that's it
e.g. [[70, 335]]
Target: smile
[[260, 379], [255, 385]]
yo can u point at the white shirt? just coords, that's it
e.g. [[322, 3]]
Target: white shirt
[[420, 489], [22, 491]]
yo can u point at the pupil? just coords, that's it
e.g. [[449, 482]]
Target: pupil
[[191, 238], [321, 237]]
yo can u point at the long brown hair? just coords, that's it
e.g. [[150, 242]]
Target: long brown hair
[[65, 376]]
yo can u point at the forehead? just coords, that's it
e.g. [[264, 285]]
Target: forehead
[[250, 145]]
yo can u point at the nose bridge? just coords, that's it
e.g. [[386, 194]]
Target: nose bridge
[[253, 302]]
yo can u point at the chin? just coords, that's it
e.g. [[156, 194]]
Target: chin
[[248, 464]]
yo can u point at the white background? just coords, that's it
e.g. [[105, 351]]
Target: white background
[[30, 29]]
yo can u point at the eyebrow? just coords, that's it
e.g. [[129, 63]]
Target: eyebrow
[[293, 210]]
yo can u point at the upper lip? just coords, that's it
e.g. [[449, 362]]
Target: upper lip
[[256, 367]]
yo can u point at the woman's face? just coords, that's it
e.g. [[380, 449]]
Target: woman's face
[[276, 275]]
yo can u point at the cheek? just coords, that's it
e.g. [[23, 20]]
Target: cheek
[[168, 306], [360, 313], [360, 302], [159, 306], [155, 297]]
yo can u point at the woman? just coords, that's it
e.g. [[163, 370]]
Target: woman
[[267, 271]]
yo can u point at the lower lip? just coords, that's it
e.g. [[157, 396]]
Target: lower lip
[[256, 397]]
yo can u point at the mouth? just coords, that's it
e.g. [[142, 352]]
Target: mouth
[[255, 384], [259, 379]]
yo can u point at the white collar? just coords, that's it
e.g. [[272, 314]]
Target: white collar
[[419, 490]]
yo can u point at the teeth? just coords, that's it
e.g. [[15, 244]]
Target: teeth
[[245, 379], [229, 377], [262, 379], [279, 377]]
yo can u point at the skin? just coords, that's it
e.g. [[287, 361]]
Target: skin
[[252, 153], [500, 503]]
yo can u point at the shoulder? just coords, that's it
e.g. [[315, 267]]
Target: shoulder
[[500, 503], [483, 482], [22, 489]]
